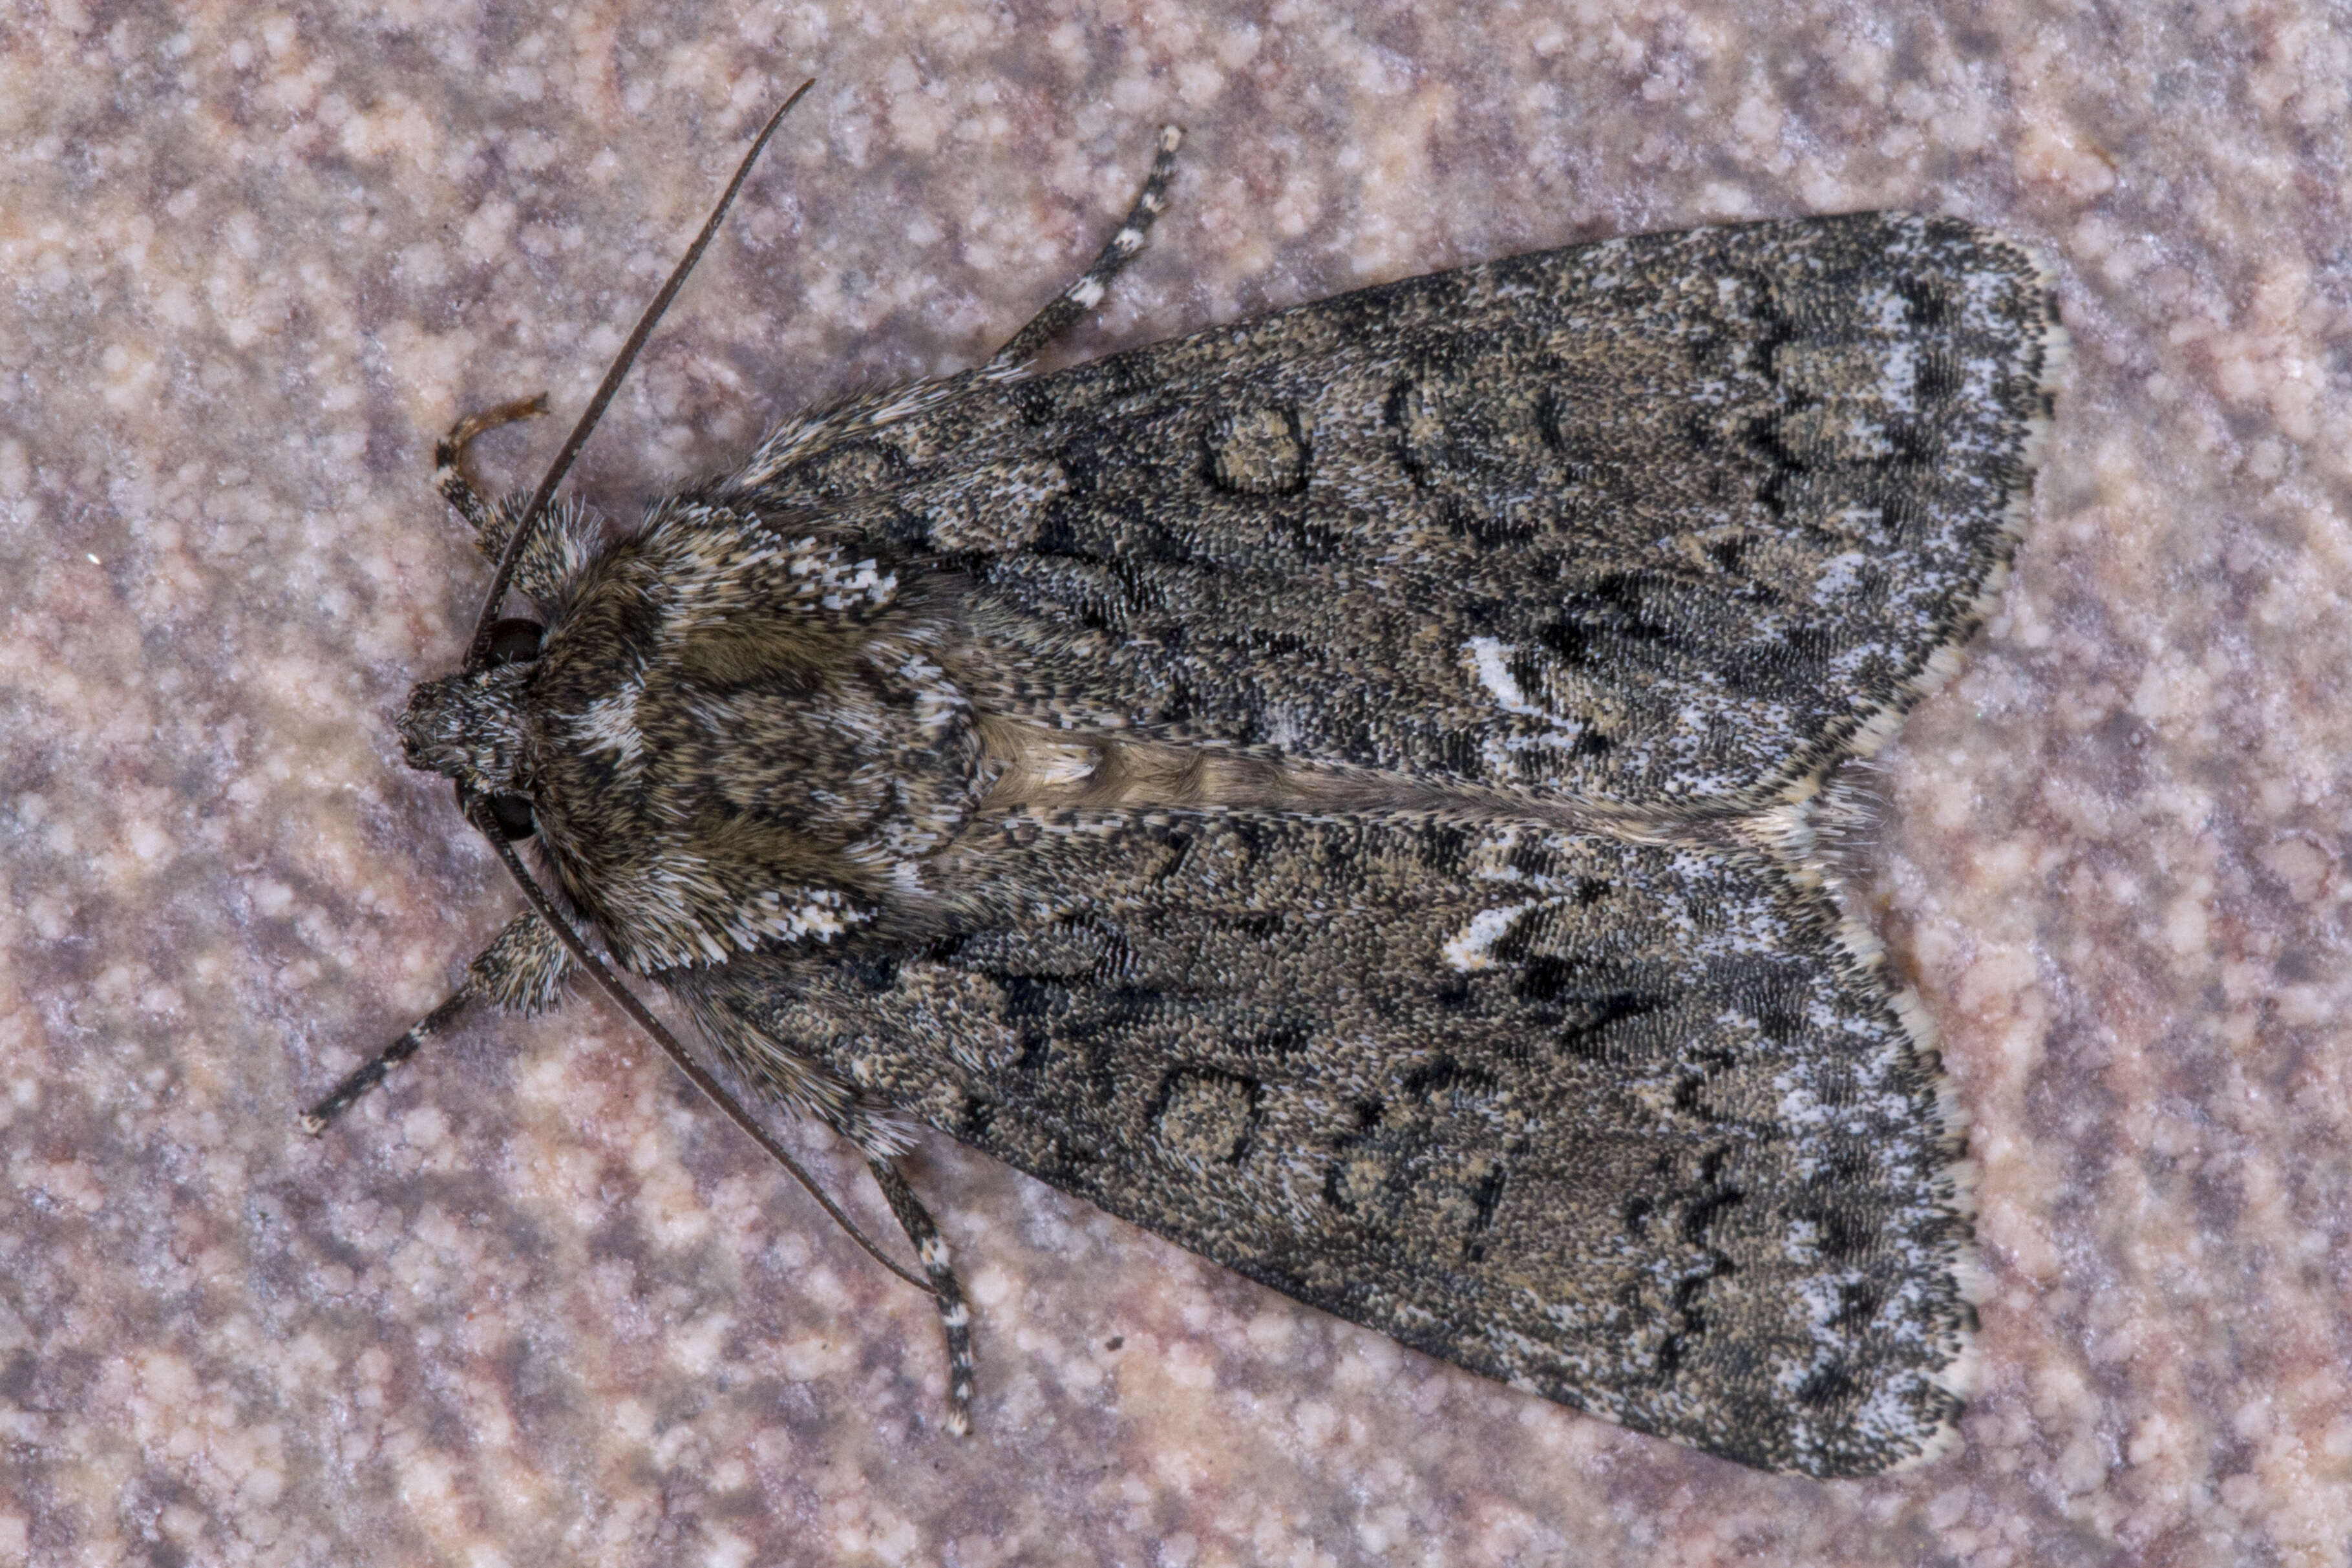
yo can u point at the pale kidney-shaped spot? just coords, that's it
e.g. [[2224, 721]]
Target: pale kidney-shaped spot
[[1205, 1117], [1258, 450]]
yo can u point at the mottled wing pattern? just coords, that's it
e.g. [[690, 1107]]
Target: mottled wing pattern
[[1670, 519], [1555, 1059], [1625, 1126]]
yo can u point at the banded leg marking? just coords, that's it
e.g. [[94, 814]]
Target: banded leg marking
[[1071, 305], [372, 1072], [449, 465], [931, 1252]]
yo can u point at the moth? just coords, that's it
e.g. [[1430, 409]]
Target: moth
[[1346, 791]]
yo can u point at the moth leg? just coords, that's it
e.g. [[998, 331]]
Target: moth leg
[[449, 469], [521, 971], [1072, 303], [932, 1253], [372, 1072]]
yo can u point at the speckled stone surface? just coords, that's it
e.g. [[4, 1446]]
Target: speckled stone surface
[[535, 1306]]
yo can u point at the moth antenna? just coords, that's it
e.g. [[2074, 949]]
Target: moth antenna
[[371, 1073], [476, 812], [477, 652]]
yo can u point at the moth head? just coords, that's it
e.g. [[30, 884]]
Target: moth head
[[469, 726]]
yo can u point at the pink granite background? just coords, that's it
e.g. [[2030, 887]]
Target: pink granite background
[[533, 1306]]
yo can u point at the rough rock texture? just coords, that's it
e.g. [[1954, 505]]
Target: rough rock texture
[[533, 1305]]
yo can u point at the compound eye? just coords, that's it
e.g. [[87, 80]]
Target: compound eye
[[515, 640], [511, 815]]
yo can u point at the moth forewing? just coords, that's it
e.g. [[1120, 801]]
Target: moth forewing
[[1342, 791]]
